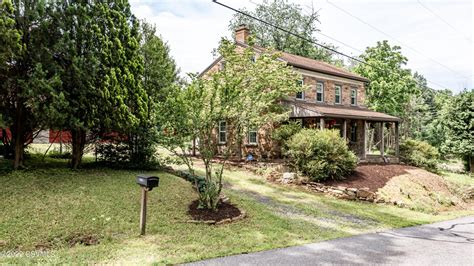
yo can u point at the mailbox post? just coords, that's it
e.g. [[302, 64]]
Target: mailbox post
[[147, 183]]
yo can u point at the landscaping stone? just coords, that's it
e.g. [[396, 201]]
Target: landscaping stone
[[288, 177], [363, 193], [469, 193]]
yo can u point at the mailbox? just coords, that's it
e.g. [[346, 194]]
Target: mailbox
[[147, 181]]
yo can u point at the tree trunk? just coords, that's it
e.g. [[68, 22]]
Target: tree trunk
[[471, 164], [18, 140], [78, 144], [19, 145]]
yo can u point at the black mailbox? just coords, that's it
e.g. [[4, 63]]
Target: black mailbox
[[148, 181]]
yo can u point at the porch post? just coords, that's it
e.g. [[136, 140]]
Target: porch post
[[397, 140], [364, 150], [344, 130], [321, 123], [382, 139]]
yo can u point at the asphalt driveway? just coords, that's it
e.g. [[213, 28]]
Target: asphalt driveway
[[443, 243]]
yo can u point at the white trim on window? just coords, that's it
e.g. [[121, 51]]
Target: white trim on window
[[319, 91], [353, 96], [222, 135], [252, 136], [337, 94]]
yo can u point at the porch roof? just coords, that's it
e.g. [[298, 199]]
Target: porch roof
[[301, 109]]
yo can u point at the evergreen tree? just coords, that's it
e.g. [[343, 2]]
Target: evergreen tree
[[101, 68], [28, 77], [159, 76]]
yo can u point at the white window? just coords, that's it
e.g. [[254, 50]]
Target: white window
[[337, 99], [300, 94], [353, 96], [252, 136], [222, 132], [319, 92]]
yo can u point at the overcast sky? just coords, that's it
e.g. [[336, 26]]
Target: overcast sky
[[436, 36]]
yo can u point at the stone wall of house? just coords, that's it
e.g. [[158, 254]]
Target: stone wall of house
[[266, 147], [330, 91]]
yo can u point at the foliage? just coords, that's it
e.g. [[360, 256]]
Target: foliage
[[244, 94], [286, 131], [159, 75], [390, 85], [100, 62], [419, 153], [320, 154], [288, 16], [420, 110], [434, 132], [103, 203], [28, 81], [458, 121]]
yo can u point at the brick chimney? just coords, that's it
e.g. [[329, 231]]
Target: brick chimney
[[242, 33]]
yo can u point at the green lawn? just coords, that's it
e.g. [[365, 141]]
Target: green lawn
[[50, 207]]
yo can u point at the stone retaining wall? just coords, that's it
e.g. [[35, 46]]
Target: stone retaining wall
[[345, 192]]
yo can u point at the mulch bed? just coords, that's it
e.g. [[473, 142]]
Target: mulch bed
[[225, 211], [372, 176]]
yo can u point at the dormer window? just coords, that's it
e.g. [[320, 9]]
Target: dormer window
[[319, 92], [353, 96], [337, 94], [300, 94]]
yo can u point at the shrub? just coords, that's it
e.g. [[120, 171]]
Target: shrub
[[320, 154], [419, 153]]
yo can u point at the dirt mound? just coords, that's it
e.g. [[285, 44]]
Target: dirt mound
[[421, 190], [412, 187], [372, 176]]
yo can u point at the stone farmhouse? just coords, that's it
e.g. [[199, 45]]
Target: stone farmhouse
[[335, 100]]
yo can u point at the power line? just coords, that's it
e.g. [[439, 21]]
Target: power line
[[443, 20], [390, 36], [306, 39], [327, 36], [289, 32]]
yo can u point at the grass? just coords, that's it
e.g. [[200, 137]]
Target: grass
[[50, 207], [460, 180]]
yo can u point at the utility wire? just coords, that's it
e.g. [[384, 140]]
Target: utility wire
[[289, 32], [390, 36], [443, 20], [325, 35], [308, 40]]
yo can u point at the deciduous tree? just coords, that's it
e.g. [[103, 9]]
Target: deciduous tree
[[288, 16], [391, 85], [244, 93], [458, 120]]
